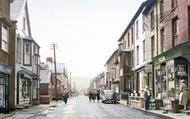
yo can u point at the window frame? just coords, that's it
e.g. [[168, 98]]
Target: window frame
[[4, 38]]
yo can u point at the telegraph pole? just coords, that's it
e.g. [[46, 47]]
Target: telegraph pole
[[70, 85], [55, 73]]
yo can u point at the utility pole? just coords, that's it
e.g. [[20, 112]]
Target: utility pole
[[55, 73], [70, 85]]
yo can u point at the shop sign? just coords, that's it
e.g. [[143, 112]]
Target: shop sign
[[161, 59], [181, 70], [148, 68], [6, 69]]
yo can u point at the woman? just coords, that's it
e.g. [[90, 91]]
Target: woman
[[183, 94], [90, 95], [98, 95]]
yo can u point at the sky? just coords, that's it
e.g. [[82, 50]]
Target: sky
[[86, 32]]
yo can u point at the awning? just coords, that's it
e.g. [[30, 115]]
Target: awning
[[27, 72], [180, 50]]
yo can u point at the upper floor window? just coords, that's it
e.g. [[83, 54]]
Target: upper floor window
[[128, 37], [132, 35], [173, 3], [137, 29], [144, 24], [5, 39], [174, 32], [152, 21], [27, 53], [161, 10], [162, 40], [152, 46], [144, 50], [137, 55]]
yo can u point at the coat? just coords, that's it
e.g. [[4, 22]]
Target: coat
[[183, 94]]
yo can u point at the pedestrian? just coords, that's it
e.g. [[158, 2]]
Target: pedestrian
[[90, 95], [183, 94], [147, 97], [98, 95], [65, 95], [93, 95]]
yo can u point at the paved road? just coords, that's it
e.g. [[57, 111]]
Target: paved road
[[81, 108]]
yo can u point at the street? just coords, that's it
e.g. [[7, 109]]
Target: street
[[80, 108]]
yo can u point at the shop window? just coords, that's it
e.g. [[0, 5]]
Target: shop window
[[35, 89]]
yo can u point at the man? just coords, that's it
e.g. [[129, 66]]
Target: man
[[65, 95], [146, 98]]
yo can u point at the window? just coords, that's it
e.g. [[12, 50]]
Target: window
[[128, 40], [5, 38], [152, 20], [162, 40], [144, 50], [27, 53], [35, 89], [132, 62], [132, 35], [174, 32], [152, 46], [144, 24], [137, 55], [173, 4], [161, 10], [137, 29], [18, 50]]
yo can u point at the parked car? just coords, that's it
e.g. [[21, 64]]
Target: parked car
[[108, 97]]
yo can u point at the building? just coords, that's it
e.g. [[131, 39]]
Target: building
[[112, 82], [45, 86], [62, 78], [172, 62], [26, 57], [6, 69]]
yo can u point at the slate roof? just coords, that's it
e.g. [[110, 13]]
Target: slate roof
[[16, 7]]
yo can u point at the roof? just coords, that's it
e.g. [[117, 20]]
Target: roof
[[60, 67], [45, 76], [111, 56], [149, 5], [16, 8], [133, 19]]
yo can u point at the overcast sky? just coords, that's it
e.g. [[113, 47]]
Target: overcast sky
[[86, 32]]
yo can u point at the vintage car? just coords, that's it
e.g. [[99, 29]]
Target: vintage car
[[108, 97]]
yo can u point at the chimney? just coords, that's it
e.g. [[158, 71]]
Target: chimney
[[49, 59]]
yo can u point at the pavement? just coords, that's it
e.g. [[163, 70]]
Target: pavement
[[28, 112], [161, 113], [35, 110]]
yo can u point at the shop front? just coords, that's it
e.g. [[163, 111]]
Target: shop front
[[5, 72], [169, 69]]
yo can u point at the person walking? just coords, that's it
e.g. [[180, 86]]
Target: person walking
[[93, 95], [147, 97], [183, 94], [65, 95], [90, 95], [98, 95]]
